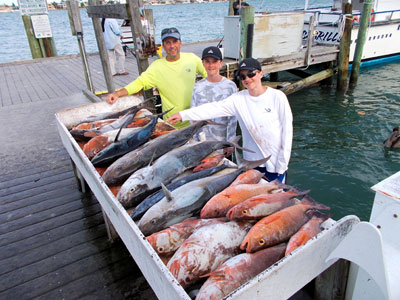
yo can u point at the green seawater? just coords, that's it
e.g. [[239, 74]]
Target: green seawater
[[338, 139]]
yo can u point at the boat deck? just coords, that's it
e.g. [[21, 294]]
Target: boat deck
[[53, 240]]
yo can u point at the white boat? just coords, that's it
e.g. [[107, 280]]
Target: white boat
[[383, 35]]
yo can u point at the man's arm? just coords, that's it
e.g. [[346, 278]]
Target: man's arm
[[113, 97]]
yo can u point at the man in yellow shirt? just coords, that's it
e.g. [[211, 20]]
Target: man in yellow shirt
[[173, 75]]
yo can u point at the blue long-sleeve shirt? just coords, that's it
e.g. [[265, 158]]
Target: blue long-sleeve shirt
[[112, 33]]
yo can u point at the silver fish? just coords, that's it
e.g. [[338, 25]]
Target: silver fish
[[187, 200], [122, 168], [165, 169]]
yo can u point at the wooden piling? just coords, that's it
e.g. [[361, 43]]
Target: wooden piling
[[344, 54], [230, 8], [246, 18], [102, 50], [294, 87], [33, 42], [361, 37]]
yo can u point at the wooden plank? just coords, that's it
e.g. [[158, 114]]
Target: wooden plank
[[53, 235], [5, 193], [114, 11], [48, 224]]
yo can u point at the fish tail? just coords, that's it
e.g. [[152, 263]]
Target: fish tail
[[315, 213], [298, 191], [314, 204], [234, 143], [246, 165], [282, 185]]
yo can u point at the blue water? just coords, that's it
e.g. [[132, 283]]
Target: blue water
[[338, 139], [196, 22]]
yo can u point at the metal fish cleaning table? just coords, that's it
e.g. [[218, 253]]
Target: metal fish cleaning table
[[280, 281]]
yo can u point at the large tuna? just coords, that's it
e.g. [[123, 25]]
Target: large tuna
[[237, 271], [157, 196], [129, 143], [205, 250], [165, 169], [279, 226], [122, 168], [187, 200]]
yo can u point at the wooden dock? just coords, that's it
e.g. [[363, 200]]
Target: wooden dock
[[53, 240]]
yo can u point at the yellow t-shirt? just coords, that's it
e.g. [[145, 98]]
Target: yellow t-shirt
[[174, 81]]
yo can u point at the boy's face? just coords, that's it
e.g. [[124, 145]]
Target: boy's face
[[212, 65]]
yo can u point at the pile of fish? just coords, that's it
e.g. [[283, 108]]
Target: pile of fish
[[211, 222], [241, 231]]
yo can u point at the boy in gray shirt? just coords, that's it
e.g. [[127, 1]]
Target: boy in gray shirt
[[214, 88]]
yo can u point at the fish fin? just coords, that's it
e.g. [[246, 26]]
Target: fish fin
[[167, 193], [234, 143], [314, 204], [152, 158], [298, 192]]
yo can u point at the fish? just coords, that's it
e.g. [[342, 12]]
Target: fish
[[165, 169], [166, 242], [158, 195], [98, 143], [393, 141], [127, 144], [238, 270], [205, 250], [187, 200], [248, 177], [125, 166], [219, 205], [263, 205], [307, 231], [113, 114], [209, 162], [279, 226], [86, 134], [95, 124]]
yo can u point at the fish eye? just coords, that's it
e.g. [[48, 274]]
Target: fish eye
[[160, 249], [153, 221], [261, 242], [132, 190], [245, 212]]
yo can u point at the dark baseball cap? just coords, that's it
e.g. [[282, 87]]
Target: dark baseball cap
[[212, 52], [170, 32], [249, 64]]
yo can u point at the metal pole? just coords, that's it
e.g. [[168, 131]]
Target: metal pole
[[85, 62], [361, 37]]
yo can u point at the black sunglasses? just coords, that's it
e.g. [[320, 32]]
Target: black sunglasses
[[249, 74], [169, 30]]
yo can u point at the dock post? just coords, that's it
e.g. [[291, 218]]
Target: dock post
[[246, 19], [230, 8], [138, 34], [33, 42], [102, 51], [344, 54], [77, 30], [362, 33]]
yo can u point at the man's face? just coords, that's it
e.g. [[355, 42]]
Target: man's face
[[212, 65], [251, 79], [173, 47]]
